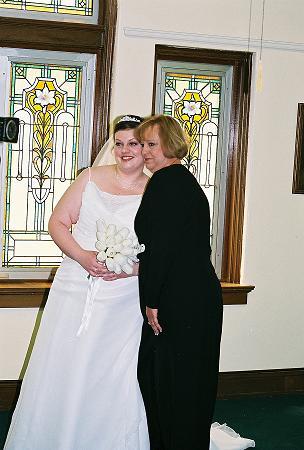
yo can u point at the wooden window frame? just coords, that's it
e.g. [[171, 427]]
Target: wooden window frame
[[298, 170], [97, 39], [237, 143], [73, 37]]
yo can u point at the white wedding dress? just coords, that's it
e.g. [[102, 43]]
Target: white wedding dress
[[80, 391]]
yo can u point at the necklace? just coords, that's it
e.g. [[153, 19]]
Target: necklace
[[123, 185]]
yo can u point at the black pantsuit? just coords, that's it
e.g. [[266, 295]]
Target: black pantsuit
[[178, 369]]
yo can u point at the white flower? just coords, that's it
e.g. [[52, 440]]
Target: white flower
[[110, 241], [117, 268], [110, 264], [110, 252], [117, 247], [124, 232], [111, 230], [118, 238], [101, 256], [120, 259], [45, 97], [100, 236], [135, 242], [100, 246], [127, 268], [127, 243], [192, 108], [127, 251]]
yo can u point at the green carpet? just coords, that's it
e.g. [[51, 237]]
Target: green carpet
[[275, 423]]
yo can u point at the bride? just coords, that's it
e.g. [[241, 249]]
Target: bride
[[80, 391]]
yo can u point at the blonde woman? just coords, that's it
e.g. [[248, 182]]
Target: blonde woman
[[180, 295]]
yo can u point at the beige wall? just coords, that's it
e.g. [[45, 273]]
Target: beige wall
[[268, 332]]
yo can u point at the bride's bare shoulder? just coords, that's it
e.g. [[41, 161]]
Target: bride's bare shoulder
[[102, 170], [102, 175]]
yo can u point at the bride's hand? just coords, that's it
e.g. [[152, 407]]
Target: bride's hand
[[88, 261], [111, 276]]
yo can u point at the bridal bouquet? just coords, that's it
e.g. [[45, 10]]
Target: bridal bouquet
[[118, 248]]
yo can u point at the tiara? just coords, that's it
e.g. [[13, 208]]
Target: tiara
[[129, 119]]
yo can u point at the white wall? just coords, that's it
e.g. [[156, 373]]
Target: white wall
[[16, 327], [268, 332]]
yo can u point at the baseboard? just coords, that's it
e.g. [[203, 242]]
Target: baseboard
[[261, 382], [9, 392], [231, 384]]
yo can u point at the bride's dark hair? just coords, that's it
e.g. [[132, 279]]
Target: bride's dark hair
[[127, 122]]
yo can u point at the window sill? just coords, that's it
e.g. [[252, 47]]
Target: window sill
[[233, 294], [33, 293]]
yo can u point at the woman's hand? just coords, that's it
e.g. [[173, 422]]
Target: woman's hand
[[111, 276], [153, 320], [95, 268], [88, 261]]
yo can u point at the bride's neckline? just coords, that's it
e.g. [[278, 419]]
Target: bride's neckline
[[109, 193]]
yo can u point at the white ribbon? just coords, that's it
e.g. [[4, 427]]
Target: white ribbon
[[89, 304]]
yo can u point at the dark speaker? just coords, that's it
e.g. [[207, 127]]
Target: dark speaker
[[9, 129]]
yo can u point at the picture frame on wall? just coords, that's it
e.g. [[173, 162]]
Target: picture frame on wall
[[298, 170]]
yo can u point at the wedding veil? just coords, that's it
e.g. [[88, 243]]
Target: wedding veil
[[106, 155]]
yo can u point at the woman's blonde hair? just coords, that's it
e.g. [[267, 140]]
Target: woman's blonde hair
[[172, 137]]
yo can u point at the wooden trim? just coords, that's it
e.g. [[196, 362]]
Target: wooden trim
[[235, 294], [261, 382], [103, 82], [298, 171], [47, 35], [237, 162], [237, 147], [73, 37], [102, 12], [55, 35], [34, 293], [24, 293], [9, 393], [231, 385]]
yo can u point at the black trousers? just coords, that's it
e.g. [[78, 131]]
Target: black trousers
[[178, 381]]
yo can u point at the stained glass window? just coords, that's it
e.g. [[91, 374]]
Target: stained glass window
[[40, 167], [75, 7], [195, 101], [197, 97]]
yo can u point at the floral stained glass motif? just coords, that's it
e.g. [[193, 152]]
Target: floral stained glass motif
[[194, 100], [78, 7], [41, 166]]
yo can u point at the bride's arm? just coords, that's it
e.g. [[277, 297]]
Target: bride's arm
[[65, 214]]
